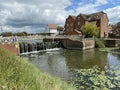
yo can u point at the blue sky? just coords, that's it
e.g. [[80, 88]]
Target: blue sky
[[32, 16], [106, 5]]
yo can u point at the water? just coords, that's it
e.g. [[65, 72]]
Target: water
[[62, 63]]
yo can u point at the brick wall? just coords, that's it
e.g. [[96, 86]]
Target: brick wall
[[104, 26], [13, 48]]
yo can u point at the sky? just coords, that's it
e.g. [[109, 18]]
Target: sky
[[33, 15]]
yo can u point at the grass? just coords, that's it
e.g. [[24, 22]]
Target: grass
[[18, 74]]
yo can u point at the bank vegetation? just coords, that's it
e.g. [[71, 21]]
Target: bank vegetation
[[18, 74]]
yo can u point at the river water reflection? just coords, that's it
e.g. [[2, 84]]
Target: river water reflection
[[61, 63]]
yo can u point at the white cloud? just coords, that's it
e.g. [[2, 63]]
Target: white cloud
[[23, 13], [90, 7], [101, 2], [32, 16], [113, 14]]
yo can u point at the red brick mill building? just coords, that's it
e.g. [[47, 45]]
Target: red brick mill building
[[73, 24]]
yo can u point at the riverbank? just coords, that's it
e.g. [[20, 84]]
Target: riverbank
[[18, 74], [111, 50]]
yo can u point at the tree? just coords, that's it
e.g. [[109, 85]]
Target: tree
[[60, 28], [6, 34], [90, 30]]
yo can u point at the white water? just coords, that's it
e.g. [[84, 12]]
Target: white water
[[47, 50]]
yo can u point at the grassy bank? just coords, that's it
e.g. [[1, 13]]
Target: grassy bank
[[18, 74]]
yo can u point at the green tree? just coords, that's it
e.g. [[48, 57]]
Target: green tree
[[21, 34], [90, 30], [5, 34], [59, 28]]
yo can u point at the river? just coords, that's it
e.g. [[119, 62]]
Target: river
[[61, 63]]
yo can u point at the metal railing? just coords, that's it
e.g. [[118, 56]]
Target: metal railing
[[14, 39]]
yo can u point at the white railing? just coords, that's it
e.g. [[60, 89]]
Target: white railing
[[8, 39], [41, 37]]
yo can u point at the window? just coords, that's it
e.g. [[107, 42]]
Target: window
[[97, 16], [67, 25], [79, 23], [78, 18]]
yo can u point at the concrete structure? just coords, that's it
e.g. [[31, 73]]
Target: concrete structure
[[73, 24], [74, 42], [112, 42], [79, 44], [68, 41]]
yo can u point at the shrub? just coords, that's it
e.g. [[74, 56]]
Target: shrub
[[90, 30], [99, 43]]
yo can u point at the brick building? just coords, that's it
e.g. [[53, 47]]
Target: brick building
[[73, 24]]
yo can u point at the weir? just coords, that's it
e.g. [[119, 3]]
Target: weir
[[31, 44], [26, 47]]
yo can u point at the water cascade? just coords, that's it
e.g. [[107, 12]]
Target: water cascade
[[26, 47]]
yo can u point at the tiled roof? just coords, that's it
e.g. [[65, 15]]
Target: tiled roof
[[92, 17], [74, 17], [52, 26]]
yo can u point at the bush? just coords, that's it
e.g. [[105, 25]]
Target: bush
[[99, 43], [90, 30]]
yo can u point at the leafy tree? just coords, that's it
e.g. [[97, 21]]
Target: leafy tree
[[60, 28], [5, 34], [90, 30], [21, 34]]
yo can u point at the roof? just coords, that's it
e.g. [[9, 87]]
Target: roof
[[73, 17], [52, 26], [92, 17]]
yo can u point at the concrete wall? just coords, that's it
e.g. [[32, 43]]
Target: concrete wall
[[84, 44], [13, 48], [70, 44], [88, 43], [112, 43]]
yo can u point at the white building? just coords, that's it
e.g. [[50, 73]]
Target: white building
[[51, 29]]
